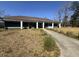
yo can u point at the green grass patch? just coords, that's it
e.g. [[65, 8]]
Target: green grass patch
[[50, 46], [49, 43]]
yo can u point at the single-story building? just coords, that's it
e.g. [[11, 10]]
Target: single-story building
[[28, 22]]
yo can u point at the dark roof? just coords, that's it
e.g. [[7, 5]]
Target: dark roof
[[26, 19]]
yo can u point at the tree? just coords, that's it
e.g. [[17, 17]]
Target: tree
[[65, 19], [66, 14], [63, 14], [2, 14], [60, 15], [75, 17]]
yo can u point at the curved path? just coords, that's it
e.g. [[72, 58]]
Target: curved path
[[69, 47]]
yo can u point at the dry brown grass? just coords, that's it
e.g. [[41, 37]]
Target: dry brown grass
[[26, 42], [73, 31]]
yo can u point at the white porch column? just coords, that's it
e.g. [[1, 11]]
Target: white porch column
[[21, 24], [37, 25], [59, 25], [52, 25], [43, 25]]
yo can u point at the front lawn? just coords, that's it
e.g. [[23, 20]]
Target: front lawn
[[27, 42]]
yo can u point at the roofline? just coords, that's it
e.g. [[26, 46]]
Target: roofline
[[41, 19], [28, 16], [29, 20]]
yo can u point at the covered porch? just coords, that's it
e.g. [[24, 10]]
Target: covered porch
[[25, 25]]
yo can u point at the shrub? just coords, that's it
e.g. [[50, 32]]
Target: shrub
[[49, 44]]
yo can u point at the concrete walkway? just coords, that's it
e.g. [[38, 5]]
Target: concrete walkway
[[69, 47]]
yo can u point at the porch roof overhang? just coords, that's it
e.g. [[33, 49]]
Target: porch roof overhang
[[29, 20]]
